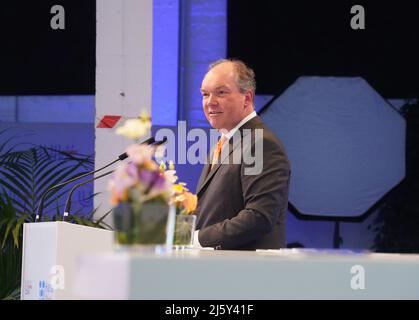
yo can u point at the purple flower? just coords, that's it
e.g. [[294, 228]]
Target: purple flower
[[154, 182], [132, 171]]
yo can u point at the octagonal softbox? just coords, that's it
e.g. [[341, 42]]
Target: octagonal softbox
[[346, 144]]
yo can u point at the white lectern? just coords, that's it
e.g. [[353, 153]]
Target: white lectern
[[49, 254]]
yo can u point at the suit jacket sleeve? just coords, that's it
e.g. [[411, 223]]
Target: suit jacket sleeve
[[265, 197]]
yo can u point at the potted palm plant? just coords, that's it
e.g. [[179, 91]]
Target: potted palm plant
[[24, 176]]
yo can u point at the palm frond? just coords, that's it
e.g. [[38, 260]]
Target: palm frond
[[24, 176], [10, 251]]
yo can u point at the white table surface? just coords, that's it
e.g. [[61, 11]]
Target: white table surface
[[248, 275]]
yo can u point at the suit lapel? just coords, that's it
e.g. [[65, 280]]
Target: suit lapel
[[203, 176], [234, 142], [208, 173], [205, 170]]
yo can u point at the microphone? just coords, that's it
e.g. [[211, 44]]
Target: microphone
[[67, 207], [121, 157], [124, 155], [159, 143], [68, 202]]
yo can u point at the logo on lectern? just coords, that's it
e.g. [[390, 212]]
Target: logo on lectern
[[41, 292], [27, 287]]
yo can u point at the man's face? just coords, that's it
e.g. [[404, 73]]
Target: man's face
[[224, 105]]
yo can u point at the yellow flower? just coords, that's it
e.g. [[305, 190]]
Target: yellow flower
[[189, 202], [162, 166], [171, 165], [144, 116]]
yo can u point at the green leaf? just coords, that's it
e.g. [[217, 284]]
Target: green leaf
[[17, 184], [18, 228], [9, 226], [101, 224]]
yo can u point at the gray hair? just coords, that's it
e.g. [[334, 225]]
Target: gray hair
[[245, 76]]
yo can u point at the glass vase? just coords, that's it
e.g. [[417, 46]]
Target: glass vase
[[147, 226], [184, 231]]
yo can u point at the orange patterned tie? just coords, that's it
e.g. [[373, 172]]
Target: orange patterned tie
[[217, 150]]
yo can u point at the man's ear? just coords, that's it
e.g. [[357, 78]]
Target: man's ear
[[248, 99]]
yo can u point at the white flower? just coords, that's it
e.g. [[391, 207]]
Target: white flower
[[171, 175], [134, 128], [160, 151], [140, 154]]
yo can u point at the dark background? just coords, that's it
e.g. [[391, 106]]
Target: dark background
[[283, 40], [35, 59]]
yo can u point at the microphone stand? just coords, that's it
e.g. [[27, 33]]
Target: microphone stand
[[121, 157], [68, 202]]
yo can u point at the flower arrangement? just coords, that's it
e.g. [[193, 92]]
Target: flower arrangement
[[140, 180], [141, 193], [143, 190]]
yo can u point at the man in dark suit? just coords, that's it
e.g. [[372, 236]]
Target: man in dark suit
[[241, 205]]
